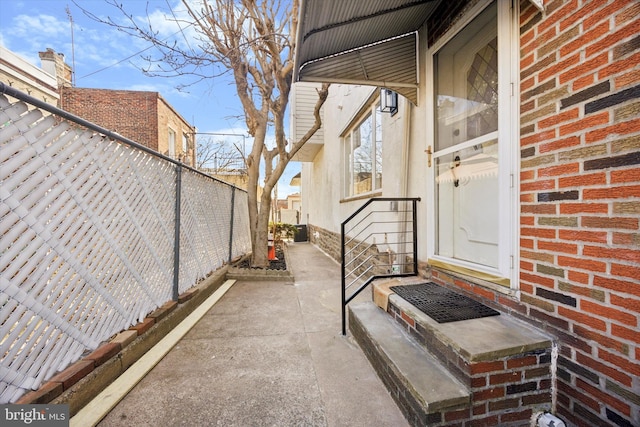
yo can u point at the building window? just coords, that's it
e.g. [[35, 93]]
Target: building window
[[172, 143], [473, 144], [185, 143], [363, 154]]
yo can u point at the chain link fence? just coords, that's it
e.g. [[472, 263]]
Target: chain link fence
[[95, 233]]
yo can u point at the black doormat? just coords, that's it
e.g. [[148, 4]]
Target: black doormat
[[442, 304]]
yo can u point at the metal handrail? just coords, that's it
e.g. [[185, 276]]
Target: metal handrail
[[367, 264]]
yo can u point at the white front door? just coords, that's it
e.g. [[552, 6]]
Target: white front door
[[466, 143]]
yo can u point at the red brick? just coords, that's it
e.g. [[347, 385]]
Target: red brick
[[590, 121], [491, 393], [538, 137], [45, 394], [484, 367], [567, 9], [583, 82], [629, 63], [582, 264], [483, 422], [620, 254], [623, 192], [578, 396], [567, 248], [583, 180], [626, 333], [73, 373], [593, 207], [631, 271], [631, 304], [621, 362], [103, 353], [510, 417], [560, 144], [608, 312], [522, 361], [578, 277], [480, 409], [163, 311], [541, 372], [627, 175], [563, 116], [536, 399], [604, 13], [186, 296], [586, 39], [621, 223], [538, 280], [558, 170], [545, 233], [633, 29], [603, 397], [408, 319], [617, 285], [617, 129], [582, 318], [581, 68], [603, 340], [461, 414], [583, 236], [526, 243], [143, 326], [505, 377], [547, 184]]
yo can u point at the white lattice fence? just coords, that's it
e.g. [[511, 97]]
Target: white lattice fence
[[87, 240]]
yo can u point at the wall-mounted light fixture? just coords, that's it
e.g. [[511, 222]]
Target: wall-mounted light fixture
[[388, 101]]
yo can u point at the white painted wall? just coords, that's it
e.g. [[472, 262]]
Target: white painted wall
[[323, 202]]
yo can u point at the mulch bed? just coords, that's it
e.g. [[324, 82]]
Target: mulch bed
[[278, 264]]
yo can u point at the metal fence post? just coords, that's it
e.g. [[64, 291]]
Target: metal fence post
[[233, 201], [176, 236]]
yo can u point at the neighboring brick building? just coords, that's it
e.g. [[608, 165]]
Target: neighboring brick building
[[562, 155], [144, 117]]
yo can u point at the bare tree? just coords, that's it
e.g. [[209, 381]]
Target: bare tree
[[255, 42], [218, 154]]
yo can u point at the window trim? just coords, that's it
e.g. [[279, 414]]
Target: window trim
[[368, 109], [171, 142], [508, 145]]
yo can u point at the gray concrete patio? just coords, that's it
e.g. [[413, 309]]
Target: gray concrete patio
[[267, 354]]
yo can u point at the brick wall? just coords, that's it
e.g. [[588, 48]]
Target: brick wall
[[132, 114], [580, 200]]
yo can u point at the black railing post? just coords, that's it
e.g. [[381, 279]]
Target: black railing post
[[344, 283], [176, 235], [366, 280], [233, 201], [414, 221]]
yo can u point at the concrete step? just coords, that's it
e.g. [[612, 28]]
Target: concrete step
[[421, 386], [464, 345]]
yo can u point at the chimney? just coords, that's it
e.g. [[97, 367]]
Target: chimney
[[53, 63]]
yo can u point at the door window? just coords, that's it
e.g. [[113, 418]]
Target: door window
[[470, 115]]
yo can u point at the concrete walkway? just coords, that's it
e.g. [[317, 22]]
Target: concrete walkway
[[267, 354]]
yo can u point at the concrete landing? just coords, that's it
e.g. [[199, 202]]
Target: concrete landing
[[475, 340]]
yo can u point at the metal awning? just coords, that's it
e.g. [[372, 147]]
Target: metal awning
[[373, 42]]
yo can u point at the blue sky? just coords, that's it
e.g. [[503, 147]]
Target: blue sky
[[104, 57]]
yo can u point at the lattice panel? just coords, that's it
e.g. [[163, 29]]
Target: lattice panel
[[87, 240]]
